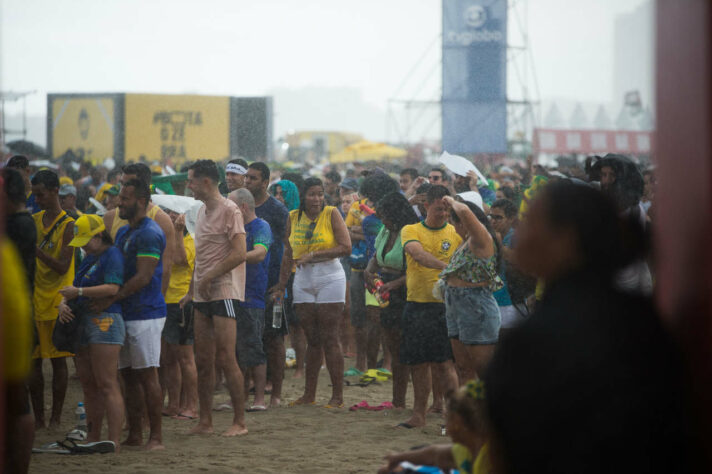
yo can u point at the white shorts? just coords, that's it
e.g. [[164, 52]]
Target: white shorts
[[513, 316], [142, 348], [323, 282]]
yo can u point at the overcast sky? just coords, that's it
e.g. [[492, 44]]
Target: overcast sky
[[247, 47]]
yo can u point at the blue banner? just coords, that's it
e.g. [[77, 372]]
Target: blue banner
[[474, 68]]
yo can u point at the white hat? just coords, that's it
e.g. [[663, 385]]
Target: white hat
[[473, 197]]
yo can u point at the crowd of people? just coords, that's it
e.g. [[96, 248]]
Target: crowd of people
[[531, 287]]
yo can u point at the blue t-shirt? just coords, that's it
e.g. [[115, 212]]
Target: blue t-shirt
[[146, 240], [276, 216], [257, 233], [32, 205], [502, 295], [107, 268]]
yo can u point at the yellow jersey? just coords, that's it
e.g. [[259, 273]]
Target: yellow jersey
[[118, 222], [16, 315], [46, 297], [322, 234], [181, 274], [441, 243]]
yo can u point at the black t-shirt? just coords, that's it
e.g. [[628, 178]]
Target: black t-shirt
[[20, 228], [276, 215]]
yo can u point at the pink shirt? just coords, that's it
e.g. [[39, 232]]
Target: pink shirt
[[214, 231]]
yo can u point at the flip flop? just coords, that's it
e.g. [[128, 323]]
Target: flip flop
[[361, 404], [183, 416], [405, 425], [223, 407], [340, 405], [353, 372], [382, 406], [254, 408]]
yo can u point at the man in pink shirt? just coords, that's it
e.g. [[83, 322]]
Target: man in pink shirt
[[217, 286]]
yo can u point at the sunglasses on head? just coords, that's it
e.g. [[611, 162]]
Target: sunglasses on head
[[310, 232]]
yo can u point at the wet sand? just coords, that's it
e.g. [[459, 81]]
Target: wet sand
[[291, 440]]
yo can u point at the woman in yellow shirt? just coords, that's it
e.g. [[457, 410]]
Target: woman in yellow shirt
[[315, 238]]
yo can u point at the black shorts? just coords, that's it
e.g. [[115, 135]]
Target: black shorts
[[358, 299], [248, 346], [424, 334], [179, 324], [391, 315], [224, 308]]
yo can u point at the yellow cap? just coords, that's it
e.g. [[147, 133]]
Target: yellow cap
[[86, 227], [65, 180]]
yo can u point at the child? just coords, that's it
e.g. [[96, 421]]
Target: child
[[467, 427]]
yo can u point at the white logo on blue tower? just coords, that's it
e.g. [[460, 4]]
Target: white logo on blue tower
[[475, 16]]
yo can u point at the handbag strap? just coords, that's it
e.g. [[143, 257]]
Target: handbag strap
[[51, 231]]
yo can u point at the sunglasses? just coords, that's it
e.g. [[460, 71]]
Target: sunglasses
[[434, 178], [495, 217], [310, 232]]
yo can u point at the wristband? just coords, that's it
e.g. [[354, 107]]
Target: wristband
[[80, 291]]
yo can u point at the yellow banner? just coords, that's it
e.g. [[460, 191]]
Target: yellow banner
[[83, 125], [176, 128]]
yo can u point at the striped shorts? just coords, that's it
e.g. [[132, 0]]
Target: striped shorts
[[223, 308]]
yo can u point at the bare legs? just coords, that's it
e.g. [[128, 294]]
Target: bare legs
[[299, 343], [97, 370], [274, 348], [215, 345], [400, 372], [181, 380], [321, 327], [146, 381], [471, 360], [443, 372], [59, 390]]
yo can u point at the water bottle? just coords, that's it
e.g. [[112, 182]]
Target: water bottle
[[277, 314], [81, 416]]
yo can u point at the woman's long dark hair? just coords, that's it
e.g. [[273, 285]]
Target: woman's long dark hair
[[480, 215], [377, 185], [396, 208], [308, 183]]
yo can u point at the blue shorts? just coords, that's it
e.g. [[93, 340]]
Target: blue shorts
[[472, 315], [104, 328]]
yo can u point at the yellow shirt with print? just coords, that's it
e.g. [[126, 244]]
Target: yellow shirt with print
[[46, 297], [441, 244], [181, 273], [16, 315], [322, 235]]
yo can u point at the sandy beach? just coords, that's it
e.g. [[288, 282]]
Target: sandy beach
[[299, 439]]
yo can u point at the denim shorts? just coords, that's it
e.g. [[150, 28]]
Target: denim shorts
[[104, 328], [472, 315]]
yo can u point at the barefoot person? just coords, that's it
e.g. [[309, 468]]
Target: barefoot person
[[177, 359], [100, 275], [54, 270], [473, 318], [218, 285], [142, 243], [424, 343], [316, 237]]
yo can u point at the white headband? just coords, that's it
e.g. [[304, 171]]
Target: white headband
[[235, 168]]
